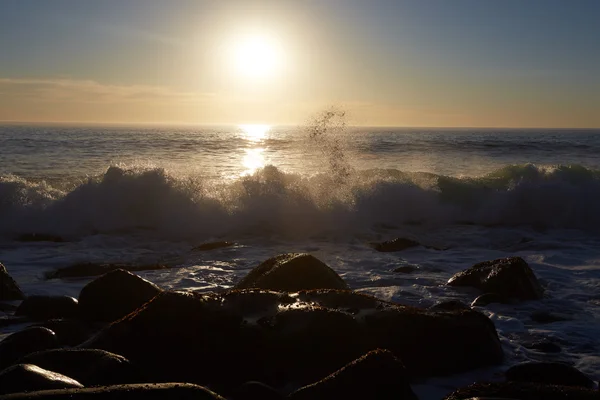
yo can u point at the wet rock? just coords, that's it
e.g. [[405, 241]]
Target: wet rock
[[82, 270], [546, 317], [257, 391], [292, 272], [144, 391], [522, 391], [24, 342], [70, 332], [39, 237], [378, 375], [544, 346], [549, 373], [406, 269], [509, 277], [450, 305], [27, 378], [48, 307], [397, 244], [278, 339], [91, 367], [9, 290], [114, 295], [212, 246], [489, 298]]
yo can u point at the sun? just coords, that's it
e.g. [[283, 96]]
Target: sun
[[256, 56]]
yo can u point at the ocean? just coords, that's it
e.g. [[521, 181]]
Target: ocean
[[149, 194]]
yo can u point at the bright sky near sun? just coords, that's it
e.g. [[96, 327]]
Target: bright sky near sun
[[514, 63]]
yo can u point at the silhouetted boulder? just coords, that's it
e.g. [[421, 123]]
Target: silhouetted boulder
[[81, 270], [489, 298], [292, 272], [27, 378], [39, 237], [378, 375], [9, 290], [522, 391], [24, 342], [143, 391], [114, 295], [70, 332], [397, 244], [450, 305], [212, 246], [48, 307], [91, 367], [550, 373], [509, 277], [291, 338]]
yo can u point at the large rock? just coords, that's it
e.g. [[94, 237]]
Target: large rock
[[70, 332], [81, 270], [48, 307], [378, 375], [9, 290], [550, 373], [509, 277], [291, 338], [91, 367], [292, 272], [522, 391], [24, 342], [27, 378], [114, 295], [145, 391]]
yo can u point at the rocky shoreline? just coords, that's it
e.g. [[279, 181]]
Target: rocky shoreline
[[290, 329]]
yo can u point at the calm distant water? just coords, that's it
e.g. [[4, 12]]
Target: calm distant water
[[225, 152]]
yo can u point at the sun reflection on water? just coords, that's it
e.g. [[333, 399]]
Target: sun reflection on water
[[254, 157], [255, 132]]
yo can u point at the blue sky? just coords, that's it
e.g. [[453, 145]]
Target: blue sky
[[425, 62]]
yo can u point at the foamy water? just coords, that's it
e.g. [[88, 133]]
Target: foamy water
[[150, 194]]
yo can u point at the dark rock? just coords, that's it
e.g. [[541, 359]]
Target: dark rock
[[82, 270], [114, 295], [509, 277], [544, 346], [212, 246], [292, 272], [7, 308], [144, 391], [489, 298], [48, 307], [406, 269], [10, 320], [91, 367], [397, 244], [295, 338], [24, 342], [523, 391], [70, 332], [378, 375], [9, 290], [257, 391], [546, 317], [39, 237], [450, 305], [549, 373], [27, 378]]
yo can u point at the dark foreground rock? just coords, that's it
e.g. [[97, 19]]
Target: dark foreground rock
[[281, 338], [549, 373], [24, 342], [82, 270], [9, 290], [114, 295], [523, 391], [91, 367], [146, 391], [212, 246], [70, 332], [378, 375], [28, 378], [292, 272], [397, 244], [48, 307], [450, 305], [509, 277], [256, 391]]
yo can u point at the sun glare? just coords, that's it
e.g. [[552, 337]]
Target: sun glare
[[255, 132], [256, 56]]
